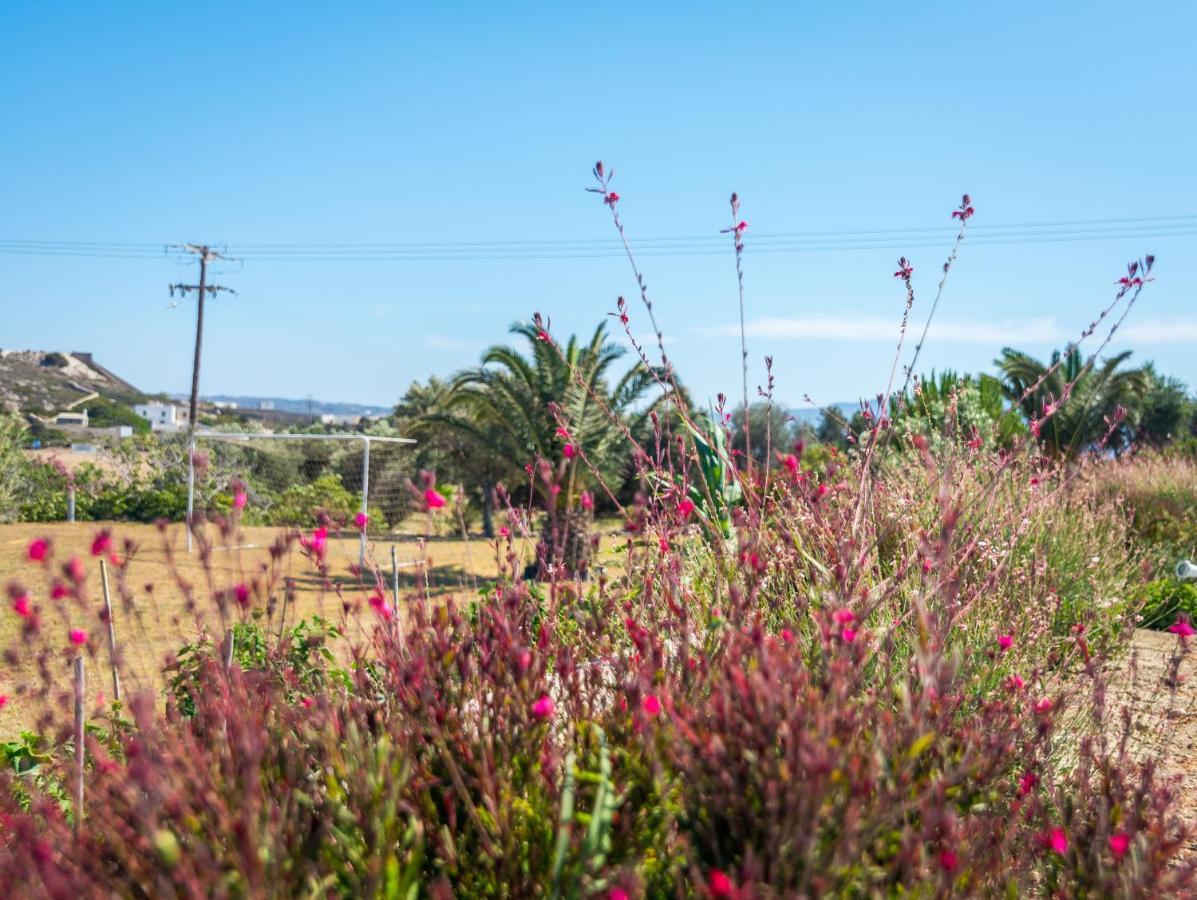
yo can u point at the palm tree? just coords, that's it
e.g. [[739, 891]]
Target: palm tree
[[507, 403], [968, 407], [1082, 399]]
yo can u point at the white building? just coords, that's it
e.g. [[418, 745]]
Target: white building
[[339, 419], [72, 419], [163, 416]]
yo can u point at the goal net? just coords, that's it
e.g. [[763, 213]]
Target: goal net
[[294, 479]]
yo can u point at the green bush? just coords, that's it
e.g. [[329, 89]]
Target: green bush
[[1166, 599]]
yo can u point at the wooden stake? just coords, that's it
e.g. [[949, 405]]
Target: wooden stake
[[116, 678], [228, 655], [79, 748]]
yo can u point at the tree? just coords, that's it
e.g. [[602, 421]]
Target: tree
[[1166, 413], [524, 409], [12, 464], [1075, 406], [770, 429], [961, 407]]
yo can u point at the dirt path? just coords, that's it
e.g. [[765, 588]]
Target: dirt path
[[1166, 718]]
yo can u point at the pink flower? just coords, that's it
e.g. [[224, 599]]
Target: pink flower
[[650, 704], [38, 549], [786, 635], [966, 210], [617, 894], [948, 860], [790, 461], [1043, 705], [1119, 844], [58, 590], [741, 227], [569, 451], [361, 520], [611, 199], [1057, 839], [905, 269], [307, 702], [543, 336], [239, 498], [848, 635], [78, 637], [1183, 627], [432, 499], [1015, 683], [3, 700], [543, 707], [720, 885], [318, 542], [685, 508], [1027, 783], [102, 543], [241, 592], [504, 531], [380, 605], [562, 433], [75, 571], [21, 606], [586, 500], [844, 617], [1005, 641]]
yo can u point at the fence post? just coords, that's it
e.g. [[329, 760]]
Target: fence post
[[365, 497], [71, 502], [395, 573], [116, 678], [228, 654], [190, 488], [79, 749]]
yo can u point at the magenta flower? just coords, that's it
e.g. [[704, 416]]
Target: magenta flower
[[790, 461], [965, 212], [569, 451], [38, 548], [562, 433], [844, 617], [1183, 627], [685, 508], [75, 571], [241, 592], [318, 542], [720, 885], [586, 500], [1043, 705], [21, 606], [433, 500], [617, 894], [504, 531], [239, 498], [380, 605], [905, 269], [1015, 683], [1119, 844], [1057, 839], [3, 700], [78, 637], [848, 635], [1027, 783], [361, 520], [58, 590], [651, 705], [543, 707], [102, 543], [1005, 642], [786, 635], [948, 860], [611, 199]]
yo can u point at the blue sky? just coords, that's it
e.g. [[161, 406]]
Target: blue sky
[[253, 124]]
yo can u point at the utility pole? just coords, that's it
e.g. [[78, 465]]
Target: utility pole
[[206, 255]]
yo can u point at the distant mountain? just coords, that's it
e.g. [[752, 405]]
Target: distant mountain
[[812, 415], [291, 405]]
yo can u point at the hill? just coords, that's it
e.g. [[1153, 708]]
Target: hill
[[47, 381]]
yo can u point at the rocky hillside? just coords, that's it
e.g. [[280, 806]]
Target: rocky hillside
[[41, 381]]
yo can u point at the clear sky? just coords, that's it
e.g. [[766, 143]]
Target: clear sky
[[396, 124]]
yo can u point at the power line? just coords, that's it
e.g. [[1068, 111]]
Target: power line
[[1076, 230]]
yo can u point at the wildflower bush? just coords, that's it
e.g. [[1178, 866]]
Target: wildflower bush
[[881, 675]]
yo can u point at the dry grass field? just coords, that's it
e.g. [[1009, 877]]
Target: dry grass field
[[162, 622]]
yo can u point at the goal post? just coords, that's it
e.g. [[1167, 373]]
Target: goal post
[[249, 438]]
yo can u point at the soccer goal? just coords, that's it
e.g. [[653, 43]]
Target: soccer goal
[[288, 478]]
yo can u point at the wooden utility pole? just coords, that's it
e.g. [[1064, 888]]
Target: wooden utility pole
[[206, 255]]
